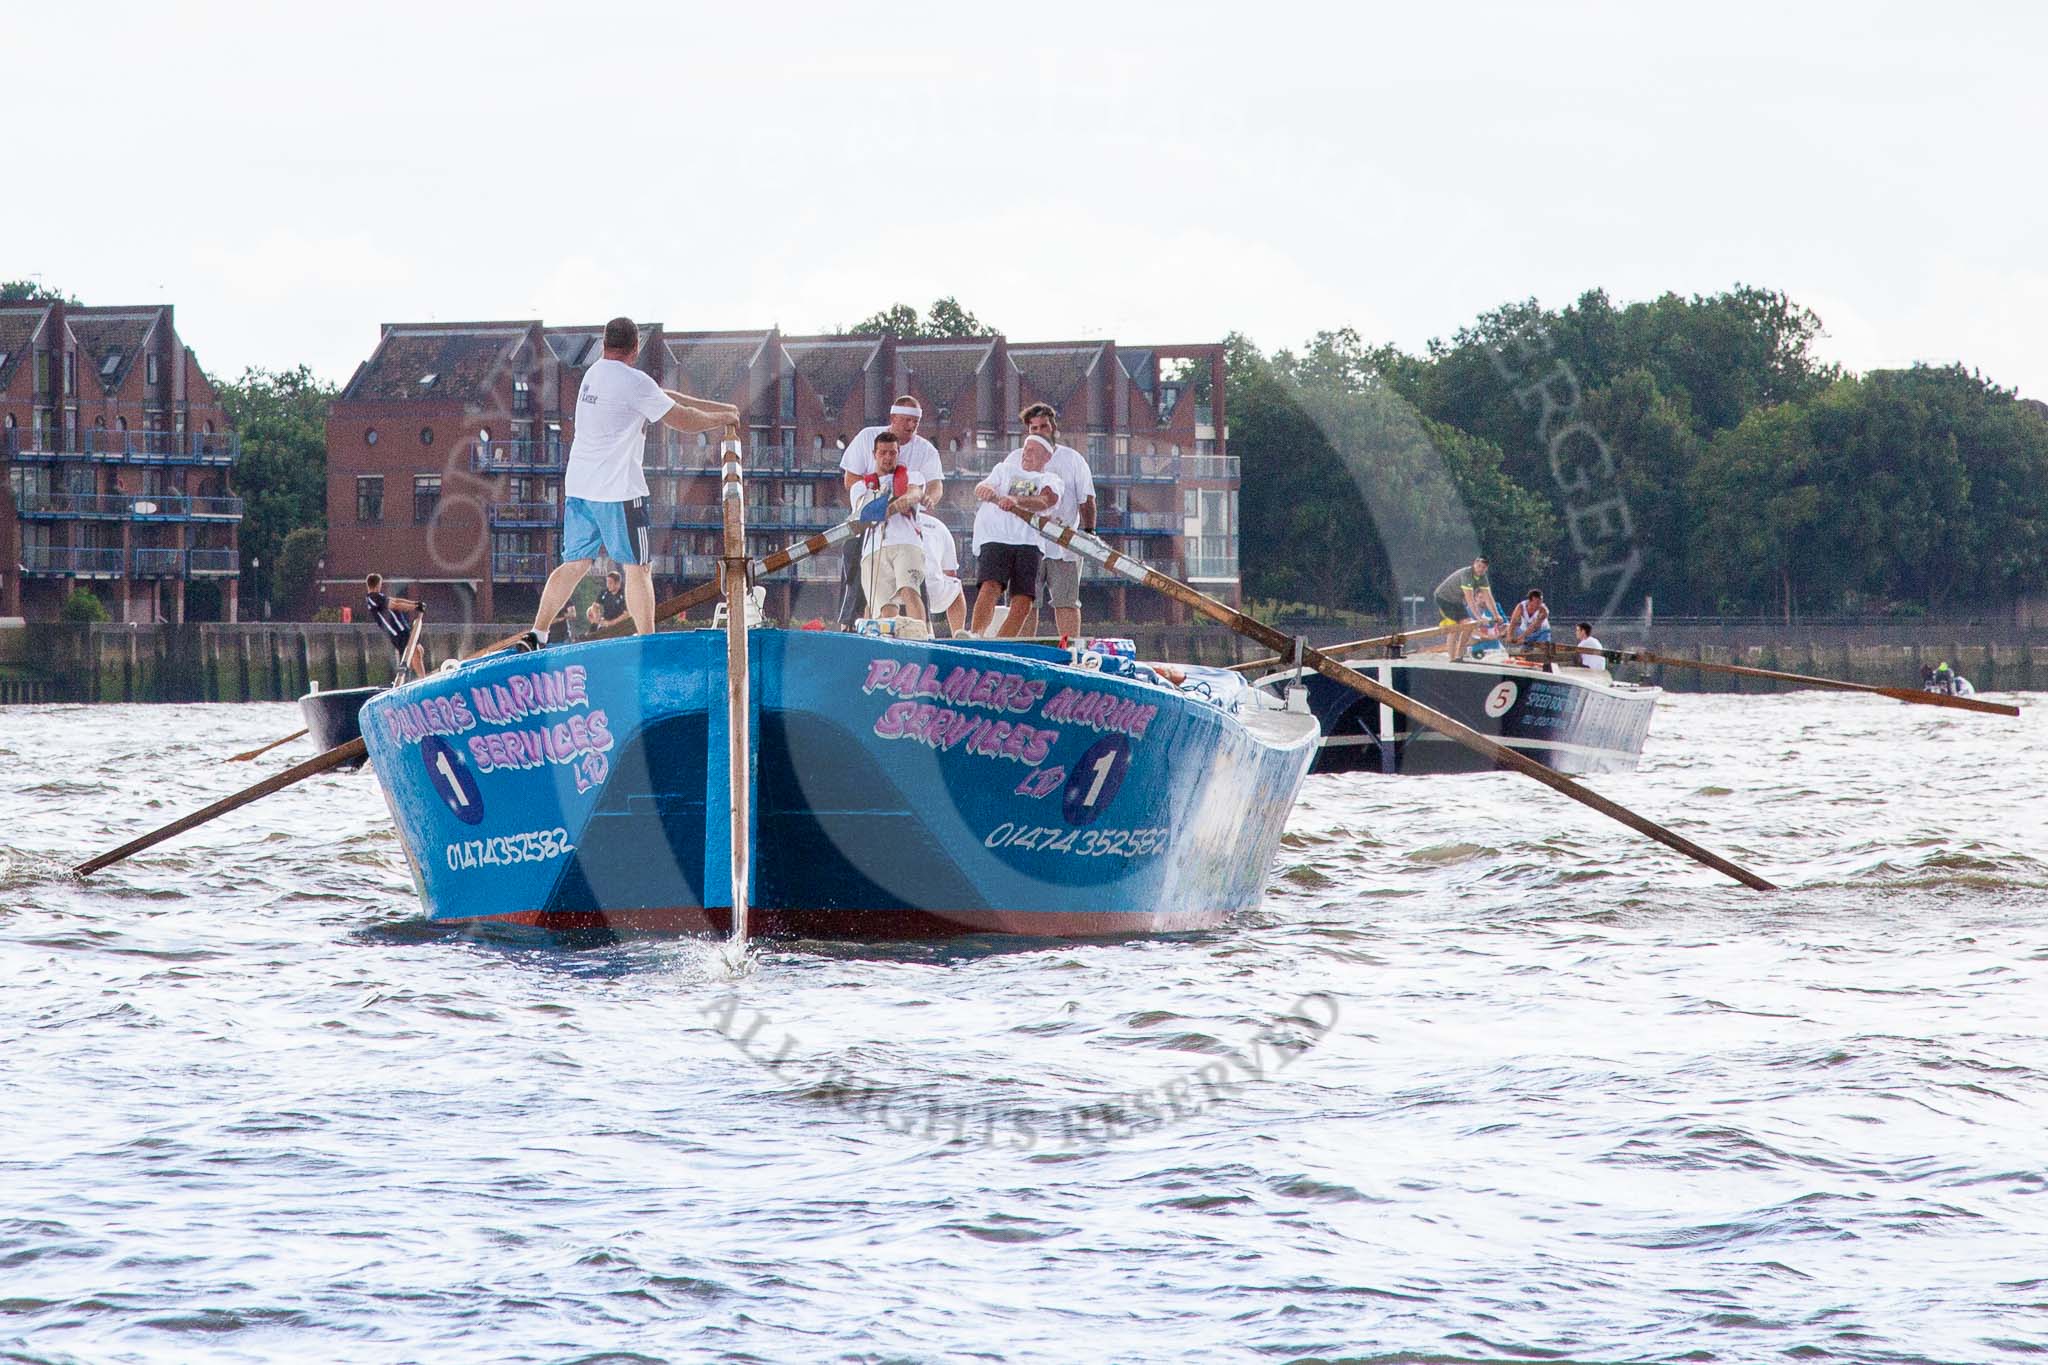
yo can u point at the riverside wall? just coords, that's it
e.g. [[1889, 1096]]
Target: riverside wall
[[278, 661]]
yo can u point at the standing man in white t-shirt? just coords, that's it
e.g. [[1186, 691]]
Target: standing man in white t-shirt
[[892, 555], [605, 488], [1060, 573], [942, 591], [1007, 551], [917, 454]]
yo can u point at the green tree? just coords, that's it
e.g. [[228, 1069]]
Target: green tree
[[946, 318], [82, 605], [28, 291], [298, 560], [281, 473]]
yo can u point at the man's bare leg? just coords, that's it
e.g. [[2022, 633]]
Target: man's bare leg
[[956, 612], [1013, 621], [561, 584], [912, 601], [985, 606], [639, 596], [1067, 620]]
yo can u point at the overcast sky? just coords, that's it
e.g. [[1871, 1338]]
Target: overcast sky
[[292, 176]]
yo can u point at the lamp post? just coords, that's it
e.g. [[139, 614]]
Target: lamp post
[[256, 584]]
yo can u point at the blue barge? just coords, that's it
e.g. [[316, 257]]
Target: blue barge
[[900, 788]]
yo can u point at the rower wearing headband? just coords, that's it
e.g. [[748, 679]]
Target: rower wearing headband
[[914, 452]]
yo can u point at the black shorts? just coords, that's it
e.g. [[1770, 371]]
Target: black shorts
[[1013, 566], [1453, 611]]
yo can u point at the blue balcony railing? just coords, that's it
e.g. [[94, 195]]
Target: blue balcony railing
[[221, 508], [518, 457], [1209, 467], [159, 447], [150, 562], [211, 562], [520, 566], [525, 514], [66, 561], [1135, 468]]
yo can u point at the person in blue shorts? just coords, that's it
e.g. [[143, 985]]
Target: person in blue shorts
[[605, 488]]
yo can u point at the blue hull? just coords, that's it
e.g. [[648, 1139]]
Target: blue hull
[[900, 789]]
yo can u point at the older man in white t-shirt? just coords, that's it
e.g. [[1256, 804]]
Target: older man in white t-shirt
[[604, 487], [1007, 551], [1059, 575], [917, 454]]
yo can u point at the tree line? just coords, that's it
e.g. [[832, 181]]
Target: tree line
[[1691, 449]]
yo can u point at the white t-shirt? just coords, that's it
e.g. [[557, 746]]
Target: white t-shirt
[[1077, 485], [898, 528], [613, 408], [992, 525], [917, 455], [941, 562], [1598, 661]]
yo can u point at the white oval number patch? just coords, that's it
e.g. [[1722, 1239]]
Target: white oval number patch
[[1500, 699]]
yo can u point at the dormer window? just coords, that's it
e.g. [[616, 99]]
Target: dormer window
[[427, 380], [110, 364]]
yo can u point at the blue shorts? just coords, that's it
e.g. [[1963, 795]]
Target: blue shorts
[[617, 528]]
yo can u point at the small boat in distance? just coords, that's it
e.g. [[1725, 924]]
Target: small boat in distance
[[1574, 720], [900, 788]]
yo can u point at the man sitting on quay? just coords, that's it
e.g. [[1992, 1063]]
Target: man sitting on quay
[[892, 563], [391, 613], [858, 461], [610, 607], [605, 484], [1006, 548]]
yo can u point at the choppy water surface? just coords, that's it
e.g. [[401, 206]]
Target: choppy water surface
[[1578, 1101]]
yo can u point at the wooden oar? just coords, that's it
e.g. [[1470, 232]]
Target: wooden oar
[[257, 753], [342, 753], [1563, 652], [1312, 657], [738, 754], [276, 782], [1349, 647]]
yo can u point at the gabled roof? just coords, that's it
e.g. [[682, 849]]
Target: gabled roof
[[942, 370], [111, 339], [713, 364], [453, 361], [1137, 363], [19, 323], [1056, 372], [832, 366]]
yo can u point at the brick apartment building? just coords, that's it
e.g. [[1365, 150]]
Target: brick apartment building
[[117, 454], [445, 454]]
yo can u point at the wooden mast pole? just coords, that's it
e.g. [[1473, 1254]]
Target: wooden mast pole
[[733, 569]]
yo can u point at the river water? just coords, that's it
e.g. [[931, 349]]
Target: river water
[[1531, 1088]]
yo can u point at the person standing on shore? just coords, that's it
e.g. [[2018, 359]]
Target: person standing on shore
[[605, 485]]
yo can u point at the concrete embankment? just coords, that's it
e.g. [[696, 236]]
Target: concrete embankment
[[280, 661]]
